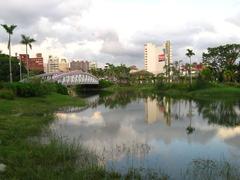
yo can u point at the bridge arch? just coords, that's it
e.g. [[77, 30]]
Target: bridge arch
[[69, 78]]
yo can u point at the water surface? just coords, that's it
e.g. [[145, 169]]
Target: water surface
[[131, 130]]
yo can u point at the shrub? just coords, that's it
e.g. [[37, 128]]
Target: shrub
[[232, 84], [200, 83], [26, 89], [105, 83], [35, 88], [61, 89], [32, 89], [177, 86], [1, 85], [7, 94]]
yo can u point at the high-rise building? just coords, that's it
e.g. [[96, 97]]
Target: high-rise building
[[34, 64], [53, 64], [79, 65], [57, 65], [63, 65], [157, 57]]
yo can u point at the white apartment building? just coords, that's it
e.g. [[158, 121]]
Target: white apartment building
[[156, 57], [53, 64], [56, 65]]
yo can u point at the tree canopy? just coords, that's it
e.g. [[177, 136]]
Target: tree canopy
[[4, 68], [222, 58], [27, 40]]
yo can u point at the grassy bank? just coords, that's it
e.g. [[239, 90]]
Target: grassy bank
[[29, 151], [24, 155], [210, 92], [183, 90]]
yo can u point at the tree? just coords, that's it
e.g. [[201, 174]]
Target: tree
[[27, 41], [222, 58], [4, 64], [228, 75], [189, 54], [206, 74], [9, 29]]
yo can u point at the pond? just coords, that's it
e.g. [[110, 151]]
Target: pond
[[170, 135]]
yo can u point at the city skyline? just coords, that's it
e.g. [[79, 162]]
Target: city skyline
[[115, 31]]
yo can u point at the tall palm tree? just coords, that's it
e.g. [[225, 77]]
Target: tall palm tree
[[9, 29], [27, 41], [189, 54]]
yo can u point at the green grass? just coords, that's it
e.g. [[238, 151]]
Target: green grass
[[30, 151], [181, 90], [212, 93], [22, 122], [217, 92]]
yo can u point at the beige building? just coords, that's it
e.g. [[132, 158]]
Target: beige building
[[157, 112], [157, 57], [63, 65], [92, 65], [79, 65], [53, 64], [56, 65]]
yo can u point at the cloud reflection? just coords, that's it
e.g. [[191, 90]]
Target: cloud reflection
[[95, 118]]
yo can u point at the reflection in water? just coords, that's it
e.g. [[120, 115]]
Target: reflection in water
[[156, 110], [130, 130], [223, 112]]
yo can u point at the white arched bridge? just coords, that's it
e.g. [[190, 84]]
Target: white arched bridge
[[69, 78]]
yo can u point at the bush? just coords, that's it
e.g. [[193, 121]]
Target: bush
[[232, 84], [177, 86], [7, 94], [26, 89], [61, 89], [1, 85], [200, 83], [36, 88], [105, 83]]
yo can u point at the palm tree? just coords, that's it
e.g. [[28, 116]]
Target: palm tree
[[9, 29], [189, 54], [27, 41]]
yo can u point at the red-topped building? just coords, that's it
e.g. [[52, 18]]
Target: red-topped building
[[35, 64]]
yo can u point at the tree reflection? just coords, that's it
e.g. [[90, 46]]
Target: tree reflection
[[120, 99], [222, 112], [190, 129], [216, 111]]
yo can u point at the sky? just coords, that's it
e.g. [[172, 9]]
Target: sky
[[114, 31]]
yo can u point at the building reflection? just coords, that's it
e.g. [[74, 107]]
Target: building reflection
[[158, 110]]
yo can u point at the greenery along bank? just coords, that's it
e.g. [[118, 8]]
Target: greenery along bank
[[28, 150]]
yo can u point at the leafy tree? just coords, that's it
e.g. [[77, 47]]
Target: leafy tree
[[27, 41], [222, 58], [206, 74], [189, 54], [4, 63], [142, 76], [9, 29], [229, 75]]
